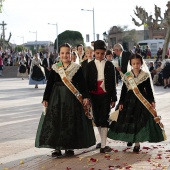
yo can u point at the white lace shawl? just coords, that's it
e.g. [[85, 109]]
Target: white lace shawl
[[70, 71], [141, 78]]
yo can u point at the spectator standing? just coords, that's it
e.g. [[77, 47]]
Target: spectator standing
[[166, 71], [156, 73], [149, 54], [1, 65], [138, 50], [159, 54]]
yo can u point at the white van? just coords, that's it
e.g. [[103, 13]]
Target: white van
[[154, 45]]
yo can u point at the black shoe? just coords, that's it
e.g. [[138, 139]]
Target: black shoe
[[136, 148], [98, 146], [69, 152], [105, 149], [165, 87], [56, 153], [129, 144]]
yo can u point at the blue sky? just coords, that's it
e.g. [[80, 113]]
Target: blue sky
[[22, 16]]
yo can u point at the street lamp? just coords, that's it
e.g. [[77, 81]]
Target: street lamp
[[56, 36], [93, 21], [36, 38], [22, 39]]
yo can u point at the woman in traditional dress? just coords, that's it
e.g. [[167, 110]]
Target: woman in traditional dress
[[65, 125], [22, 70], [37, 75], [135, 122]]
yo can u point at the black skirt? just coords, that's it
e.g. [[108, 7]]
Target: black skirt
[[65, 125], [22, 69], [135, 123], [37, 74]]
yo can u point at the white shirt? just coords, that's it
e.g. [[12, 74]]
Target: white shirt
[[88, 60], [100, 69], [48, 62], [100, 65], [115, 62]]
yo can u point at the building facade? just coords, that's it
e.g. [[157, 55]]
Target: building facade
[[40, 45]]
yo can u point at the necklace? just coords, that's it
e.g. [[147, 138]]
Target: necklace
[[65, 68]]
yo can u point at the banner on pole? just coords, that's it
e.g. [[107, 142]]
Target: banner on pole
[[87, 38]]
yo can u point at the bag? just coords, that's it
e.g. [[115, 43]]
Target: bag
[[114, 115], [167, 66]]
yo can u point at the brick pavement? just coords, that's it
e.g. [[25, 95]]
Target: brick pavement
[[20, 109]]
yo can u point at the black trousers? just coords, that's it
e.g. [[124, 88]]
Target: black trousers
[[101, 109]]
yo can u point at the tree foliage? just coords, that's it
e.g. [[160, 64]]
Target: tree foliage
[[19, 48], [71, 37], [1, 2]]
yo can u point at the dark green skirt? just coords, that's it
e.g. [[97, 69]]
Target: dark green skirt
[[135, 123], [65, 125]]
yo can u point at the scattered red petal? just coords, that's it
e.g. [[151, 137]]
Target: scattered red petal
[[93, 160], [159, 154], [107, 156], [128, 167], [115, 150], [155, 147], [111, 167], [146, 147], [117, 159], [68, 168], [167, 151]]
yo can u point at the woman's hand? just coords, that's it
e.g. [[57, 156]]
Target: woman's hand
[[112, 104], [86, 102], [120, 107], [45, 103], [153, 104]]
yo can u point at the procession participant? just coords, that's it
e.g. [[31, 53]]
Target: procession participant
[[47, 64], [123, 57], [137, 120], [37, 75], [89, 52], [22, 70], [66, 124], [102, 87]]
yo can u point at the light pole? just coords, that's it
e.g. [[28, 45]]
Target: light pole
[[36, 37], [22, 39], [93, 21], [56, 36]]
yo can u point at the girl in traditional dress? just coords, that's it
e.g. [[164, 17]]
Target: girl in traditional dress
[[22, 71], [37, 75], [65, 125], [135, 122]]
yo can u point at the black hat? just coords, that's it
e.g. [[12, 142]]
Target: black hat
[[100, 44]]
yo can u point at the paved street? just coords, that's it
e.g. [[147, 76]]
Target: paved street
[[20, 110]]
